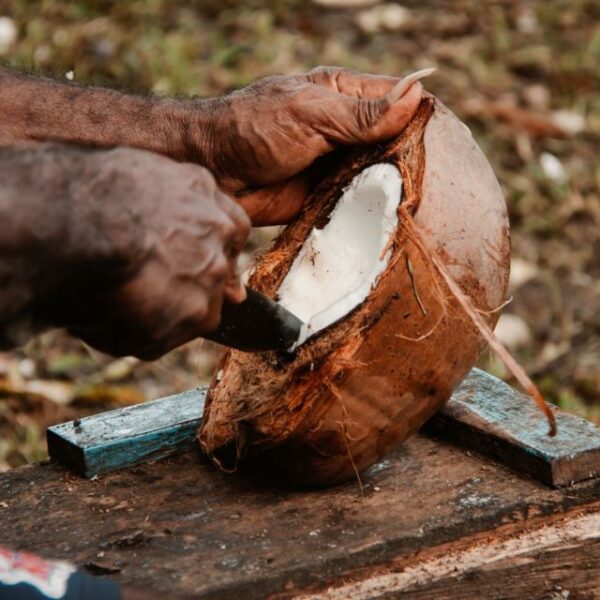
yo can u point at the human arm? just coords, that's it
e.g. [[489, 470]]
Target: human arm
[[130, 251], [37, 109], [258, 142]]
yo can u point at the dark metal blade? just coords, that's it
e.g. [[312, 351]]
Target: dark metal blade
[[256, 325]]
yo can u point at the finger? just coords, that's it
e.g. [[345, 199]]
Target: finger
[[278, 203], [234, 290], [346, 120], [351, 82], [241, 225], [209, 318]]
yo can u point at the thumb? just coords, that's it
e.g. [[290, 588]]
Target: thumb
[[369, 120]]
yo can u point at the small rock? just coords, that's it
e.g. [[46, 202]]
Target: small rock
[[345, 3], [512, 331], [387, 17], [42, 55], [521, 271], [120, 369], [27, 368], [59, 392], [569, 121], [8, 34], [527, 21], [552, 167], [537, 96], [230, 563]]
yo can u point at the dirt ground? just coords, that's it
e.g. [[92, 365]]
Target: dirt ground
[[524, 76]]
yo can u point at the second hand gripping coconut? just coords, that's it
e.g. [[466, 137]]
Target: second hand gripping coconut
[[385, 340]]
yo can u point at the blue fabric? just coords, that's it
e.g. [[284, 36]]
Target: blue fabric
[[80, 586]]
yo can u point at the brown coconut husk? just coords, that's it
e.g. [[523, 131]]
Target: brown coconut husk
[[359, 388]]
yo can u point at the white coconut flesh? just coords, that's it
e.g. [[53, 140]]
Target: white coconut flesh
[[338, 265]]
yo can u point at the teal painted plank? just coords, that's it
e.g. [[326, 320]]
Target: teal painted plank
[[484, 413], [128, 436], [493, 418]]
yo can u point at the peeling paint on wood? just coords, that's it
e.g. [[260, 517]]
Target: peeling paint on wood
[[491, 417], [484, 413], [128, 436]]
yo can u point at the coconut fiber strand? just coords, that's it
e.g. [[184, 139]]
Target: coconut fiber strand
[[359, 388]]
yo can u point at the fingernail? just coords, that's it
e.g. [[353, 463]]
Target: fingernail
[[406, 83]]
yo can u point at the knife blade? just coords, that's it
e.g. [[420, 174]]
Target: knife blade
[[257, 324]]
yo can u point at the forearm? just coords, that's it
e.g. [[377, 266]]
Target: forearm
[[35, 109]]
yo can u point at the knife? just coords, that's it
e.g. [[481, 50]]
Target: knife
[[257, 324]]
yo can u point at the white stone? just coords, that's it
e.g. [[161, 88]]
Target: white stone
[[569, 121], [512, 331], [552, 167], [345, 3], [8, 34], [386, 17], [521, 271]]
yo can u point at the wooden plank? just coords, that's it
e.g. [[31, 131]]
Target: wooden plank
[[180, 525], [484, 413], [554, 561], [491, 417], [128, 436]]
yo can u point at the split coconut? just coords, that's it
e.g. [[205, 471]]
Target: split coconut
[[385, 341]]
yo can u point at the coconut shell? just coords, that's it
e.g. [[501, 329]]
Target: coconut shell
[[359, 388]]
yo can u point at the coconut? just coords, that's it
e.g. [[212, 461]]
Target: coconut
[[385, 339]]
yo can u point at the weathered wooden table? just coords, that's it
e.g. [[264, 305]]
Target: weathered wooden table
[[435, 521]]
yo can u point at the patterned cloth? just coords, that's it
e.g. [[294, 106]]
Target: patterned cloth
[[24, 576]]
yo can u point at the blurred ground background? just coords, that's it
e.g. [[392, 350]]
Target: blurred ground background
[[525, 77]]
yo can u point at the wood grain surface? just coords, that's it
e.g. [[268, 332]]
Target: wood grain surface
[[180, 525]]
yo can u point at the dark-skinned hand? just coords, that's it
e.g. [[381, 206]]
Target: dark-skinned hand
[[262, 139], [146, 248], [259, 142], [129, 250]]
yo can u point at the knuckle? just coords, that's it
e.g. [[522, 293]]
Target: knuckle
[[367, 113], [261, 86], [321, 74], [201, 180], [227, 229], [243, 225], [220, 267], [341, 72], [319, 70], [325, 70], [329, 73]]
